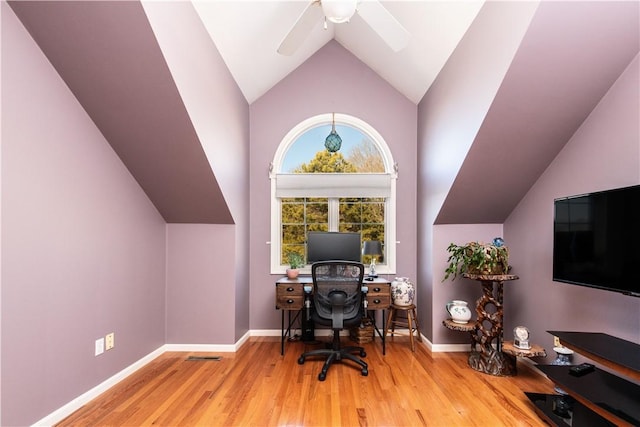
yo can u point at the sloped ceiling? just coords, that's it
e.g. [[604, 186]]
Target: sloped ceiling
[[107, 54], [248, 33], [570, 56], [109, 57]]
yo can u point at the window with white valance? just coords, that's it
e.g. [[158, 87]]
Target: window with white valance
[[359, 198]]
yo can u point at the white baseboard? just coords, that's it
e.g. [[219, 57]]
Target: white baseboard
[[208, 348], [450, 348], [66, 410]]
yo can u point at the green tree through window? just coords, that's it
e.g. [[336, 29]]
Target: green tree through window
[[364, 215]]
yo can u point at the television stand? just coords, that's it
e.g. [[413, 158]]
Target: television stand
[[604, 396]]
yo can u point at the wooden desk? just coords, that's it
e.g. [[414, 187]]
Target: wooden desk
[[290, 298]]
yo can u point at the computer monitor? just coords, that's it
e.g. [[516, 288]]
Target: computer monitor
[[329, 245]]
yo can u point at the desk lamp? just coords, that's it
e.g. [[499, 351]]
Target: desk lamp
[[374, 249]]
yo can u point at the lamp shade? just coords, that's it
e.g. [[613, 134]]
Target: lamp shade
[[372, 247]]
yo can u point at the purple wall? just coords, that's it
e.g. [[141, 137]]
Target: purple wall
[[449, 117], [460, 288], [200, 275], [83, 248], [604, 153], [220, 116], [332, 80]]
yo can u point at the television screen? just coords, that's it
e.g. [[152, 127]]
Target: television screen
[[327, 245], [597, 240]]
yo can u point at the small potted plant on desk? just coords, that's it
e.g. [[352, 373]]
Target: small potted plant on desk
[[296, 261]]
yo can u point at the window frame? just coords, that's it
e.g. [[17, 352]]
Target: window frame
[[390, 172]]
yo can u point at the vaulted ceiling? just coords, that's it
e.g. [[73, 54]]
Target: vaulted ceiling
[[249, 32], [107, 54]]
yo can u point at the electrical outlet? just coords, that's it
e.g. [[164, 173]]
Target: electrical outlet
[[556, 341], [110, 341], [99, 346]]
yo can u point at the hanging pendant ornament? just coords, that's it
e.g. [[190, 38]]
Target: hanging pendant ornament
[[333, 140]]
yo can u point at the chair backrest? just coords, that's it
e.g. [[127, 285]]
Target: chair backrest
[[337, 290]]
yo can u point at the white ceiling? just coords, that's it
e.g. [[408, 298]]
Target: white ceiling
[[248, 33]]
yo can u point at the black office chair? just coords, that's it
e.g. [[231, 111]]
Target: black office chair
[[337, 302]]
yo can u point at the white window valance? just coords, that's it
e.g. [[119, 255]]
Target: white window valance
[[333, 185]]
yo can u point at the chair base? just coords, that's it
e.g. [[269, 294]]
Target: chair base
[[337, 354]]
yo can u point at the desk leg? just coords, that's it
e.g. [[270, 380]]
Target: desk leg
[[371, 314], [384, 339], [282, 333], [287, 332]]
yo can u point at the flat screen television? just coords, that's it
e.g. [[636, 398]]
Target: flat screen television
[[329, 245], [596, 240]]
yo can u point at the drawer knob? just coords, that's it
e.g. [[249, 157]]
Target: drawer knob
[[289, 301], [376, 289], [289, 289], [376, 301]]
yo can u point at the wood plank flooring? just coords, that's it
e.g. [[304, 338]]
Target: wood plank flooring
[[258, 387]]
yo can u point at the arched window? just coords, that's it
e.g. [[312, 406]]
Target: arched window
[[312, 189]]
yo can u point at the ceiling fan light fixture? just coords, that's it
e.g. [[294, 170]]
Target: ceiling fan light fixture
[[339, 11]]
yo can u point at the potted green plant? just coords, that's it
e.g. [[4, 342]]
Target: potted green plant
[[477, 258], [296, 261]]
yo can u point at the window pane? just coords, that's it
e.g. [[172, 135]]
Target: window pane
[[317, 213], [292, 213], [350, 212], [300, 215], [357, 152], [365, 216], [373, 213]]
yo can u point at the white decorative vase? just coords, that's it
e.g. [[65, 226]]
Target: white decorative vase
[[459, 311], [402, 291]]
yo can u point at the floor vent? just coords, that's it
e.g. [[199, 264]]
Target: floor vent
[[204, 358]]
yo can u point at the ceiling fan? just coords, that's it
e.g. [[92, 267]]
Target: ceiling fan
[[341, 11]]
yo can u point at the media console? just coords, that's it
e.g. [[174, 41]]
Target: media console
[[598, 398]]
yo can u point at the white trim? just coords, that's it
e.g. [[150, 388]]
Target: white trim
[[265, 332], [333, 185], [323, 119], [450, 348], [69, 408], [66, 410]]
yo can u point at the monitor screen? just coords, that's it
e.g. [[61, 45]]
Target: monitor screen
[[327, 245]]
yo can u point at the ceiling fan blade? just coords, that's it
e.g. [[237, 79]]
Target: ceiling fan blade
[[384, 23], [309, 18]]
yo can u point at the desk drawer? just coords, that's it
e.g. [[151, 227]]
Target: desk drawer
[[289, 296], [379, 296]]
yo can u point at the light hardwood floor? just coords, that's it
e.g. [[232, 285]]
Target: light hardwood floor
[[258, 387]]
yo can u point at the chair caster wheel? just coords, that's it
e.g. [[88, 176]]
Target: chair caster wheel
[[301, 360], [322, 376], [363, 353], [365, 372]]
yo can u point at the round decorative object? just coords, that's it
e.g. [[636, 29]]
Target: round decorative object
[[498, 242], [459, 311], [333, 142], [402, 291], [563, 358]]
